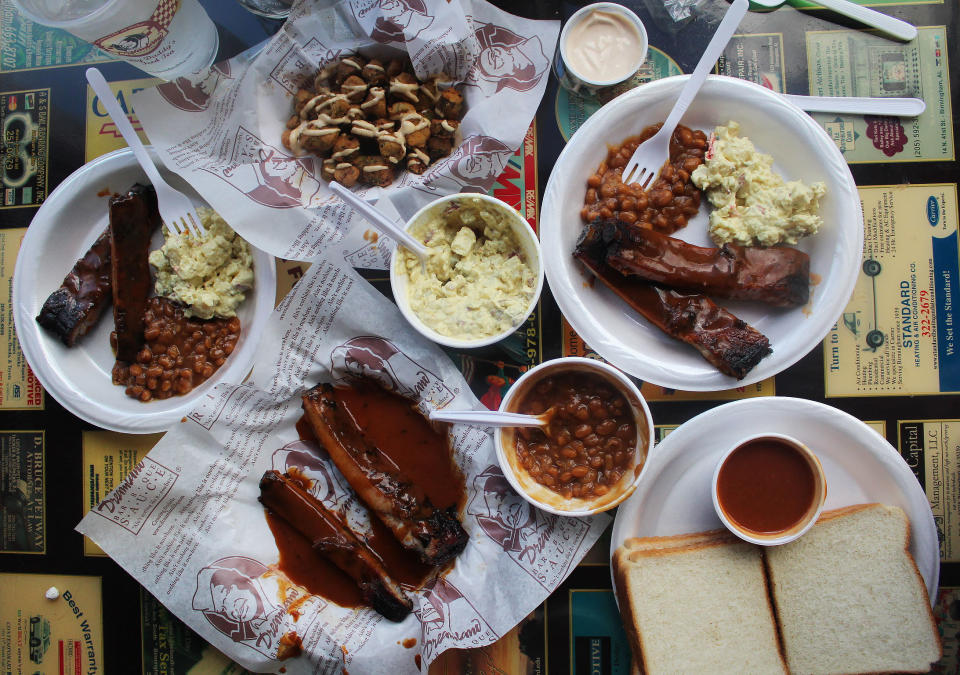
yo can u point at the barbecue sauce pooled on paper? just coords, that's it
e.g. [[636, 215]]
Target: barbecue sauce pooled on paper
[[766, 486]]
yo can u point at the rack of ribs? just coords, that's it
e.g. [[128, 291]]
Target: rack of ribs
[[72, 310], [331, 536], [730, 344], [435, 534], [778, 276], [133, 218]]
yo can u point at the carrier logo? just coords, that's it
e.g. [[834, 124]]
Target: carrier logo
[[933, 211]]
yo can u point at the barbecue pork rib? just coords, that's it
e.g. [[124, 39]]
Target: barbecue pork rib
[[434, 534], [730, 344], [778, 276], [332, 537], [133, 218], [72, 310]]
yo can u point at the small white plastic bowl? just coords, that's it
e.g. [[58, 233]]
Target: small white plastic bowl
[[799, 528], [531, 249], [542, 496]]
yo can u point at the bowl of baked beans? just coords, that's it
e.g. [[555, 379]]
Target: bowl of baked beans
[[590, 453]]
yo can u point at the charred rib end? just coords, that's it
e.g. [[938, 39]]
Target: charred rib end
[[443, 537]]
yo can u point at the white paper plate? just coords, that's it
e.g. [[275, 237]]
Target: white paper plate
[[70, 220], [861, 467], [801, 150]]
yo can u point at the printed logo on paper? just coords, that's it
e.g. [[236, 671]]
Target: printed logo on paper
[[190, 96], [473, 167], [144, 37], [268, 175], [375, 358], [447, 616], [131, 503], [293, 71], [887, 134], [540, 543], [208, 408], [506, 60], [392, 21], [234, 594]]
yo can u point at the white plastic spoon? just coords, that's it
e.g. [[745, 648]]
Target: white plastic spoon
[[868, 17], [860, 105], [381, 220], [489, 418]]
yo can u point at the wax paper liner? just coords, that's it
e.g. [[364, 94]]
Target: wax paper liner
[[222, 134], [187, 525]]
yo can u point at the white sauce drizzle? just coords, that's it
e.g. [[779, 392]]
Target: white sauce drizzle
[[405, 89]]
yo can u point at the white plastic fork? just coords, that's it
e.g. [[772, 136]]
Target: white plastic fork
[[651, 155], [176, 209]]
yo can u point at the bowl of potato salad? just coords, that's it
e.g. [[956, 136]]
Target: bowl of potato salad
[[482, 276]]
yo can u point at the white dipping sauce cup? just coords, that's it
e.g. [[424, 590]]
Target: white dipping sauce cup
[[569, 77]]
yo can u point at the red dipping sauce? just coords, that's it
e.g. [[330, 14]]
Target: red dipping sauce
[[766, 486]]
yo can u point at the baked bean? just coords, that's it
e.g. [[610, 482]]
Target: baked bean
[[571, 451], [606, 427], [582, 430], [607, 196], [174, 359]]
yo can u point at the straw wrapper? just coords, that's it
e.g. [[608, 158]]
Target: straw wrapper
[[187, 525], [222, 134]]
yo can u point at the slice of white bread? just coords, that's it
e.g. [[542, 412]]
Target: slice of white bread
[[696, 604], [849, 597]]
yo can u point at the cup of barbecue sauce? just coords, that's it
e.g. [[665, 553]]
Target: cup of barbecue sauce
[[769, 489]]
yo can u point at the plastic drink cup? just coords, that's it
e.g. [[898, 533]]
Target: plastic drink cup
[[271, 9], [165, 38]]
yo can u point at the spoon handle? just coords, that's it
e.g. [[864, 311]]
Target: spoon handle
[[870, 17], [899, 107], [380, 220], [486, 418]]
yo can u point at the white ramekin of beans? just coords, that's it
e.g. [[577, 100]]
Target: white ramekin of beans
[[590, 454]]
